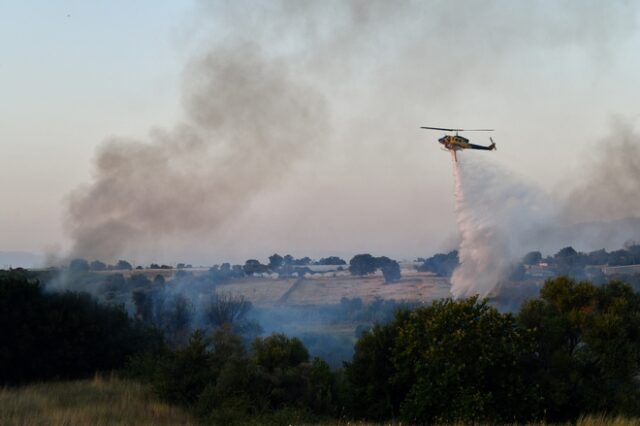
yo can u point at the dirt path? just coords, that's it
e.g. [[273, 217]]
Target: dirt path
[[285, 296]]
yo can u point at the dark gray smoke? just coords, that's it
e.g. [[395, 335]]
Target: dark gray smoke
[[609, 187], [249, 118]]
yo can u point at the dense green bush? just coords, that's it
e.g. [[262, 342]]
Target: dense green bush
[[62, 335], [451, 361], [587, 342], [573, 351], [223, 382]]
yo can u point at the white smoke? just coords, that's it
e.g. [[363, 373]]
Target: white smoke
[[499, 217]]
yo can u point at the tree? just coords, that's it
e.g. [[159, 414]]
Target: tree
[[532, 258], [143, 303], [303, 261], [275, 261], [229, 310], [598, 257], [569, 262], [588, 347], [390, 269], [362, 264], [79, 265], [48, 335], [279, 351], [373, 392], [331, 260], [453, 361], [485, 376], [96, 265], [441, 264], [253, 266], [123, 265], [182, 376]]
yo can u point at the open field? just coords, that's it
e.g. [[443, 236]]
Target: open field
[[101, 401], [330, 288], [326, 286]]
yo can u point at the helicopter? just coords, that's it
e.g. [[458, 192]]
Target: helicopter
[[454, 143]]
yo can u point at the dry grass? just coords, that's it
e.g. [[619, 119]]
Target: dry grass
[[101, 401], [416, 286], [584, 421], [322, 289], [109, 401]]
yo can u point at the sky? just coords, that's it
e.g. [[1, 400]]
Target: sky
[[301, 119]]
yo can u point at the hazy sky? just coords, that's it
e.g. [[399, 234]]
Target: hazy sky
[[551, 77]]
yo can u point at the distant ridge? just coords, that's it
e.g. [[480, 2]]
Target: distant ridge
[[20, 259]]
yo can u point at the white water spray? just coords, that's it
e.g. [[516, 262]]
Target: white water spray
[[498, 217]]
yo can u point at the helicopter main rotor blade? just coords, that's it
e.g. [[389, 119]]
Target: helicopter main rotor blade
[[457, 130], [440, 128]]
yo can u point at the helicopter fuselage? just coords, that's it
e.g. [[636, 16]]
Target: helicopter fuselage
[[454, 142]]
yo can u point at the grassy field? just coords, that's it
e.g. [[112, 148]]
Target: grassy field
[[108, 401], [101, 401], [329, 288]]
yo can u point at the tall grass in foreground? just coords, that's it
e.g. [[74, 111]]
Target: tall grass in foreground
[[583, 421], [101, 401], [111, 401]]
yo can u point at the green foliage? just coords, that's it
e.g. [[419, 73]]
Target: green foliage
[[183, 375], [229, 310], [96, 265], [362, 264], [390, 269], [588, 342], [225, 384], [331, 260], [123, 265], [365, 264], [569, 262], [65, 335], [279, 351], [79, 265], [275, 261], [464, 362], [440, 264], [452, 361], [532, 258], [373, 391], [253, 266]]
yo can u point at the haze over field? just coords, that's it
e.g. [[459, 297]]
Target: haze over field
[[209, 131]]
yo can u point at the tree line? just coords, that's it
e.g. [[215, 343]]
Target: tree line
[[567, 261], [284, 266]]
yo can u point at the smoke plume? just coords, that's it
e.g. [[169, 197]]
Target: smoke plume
[[609, 189], [258, 101], [248, 119]]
